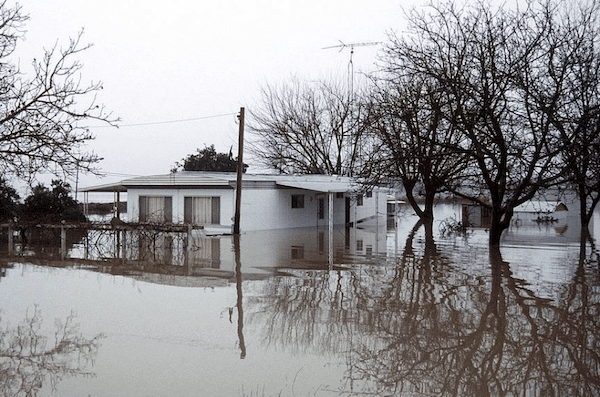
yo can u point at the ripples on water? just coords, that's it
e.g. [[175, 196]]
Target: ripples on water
[[394, 313]]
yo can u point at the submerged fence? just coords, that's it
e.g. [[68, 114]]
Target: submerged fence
[[167, 244]]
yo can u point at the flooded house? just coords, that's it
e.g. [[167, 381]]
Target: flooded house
[[536, 211], [541, 211], [285, 220], [268, 202]]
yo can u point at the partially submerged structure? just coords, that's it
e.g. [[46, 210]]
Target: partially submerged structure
[[540, 211], [268, 202]]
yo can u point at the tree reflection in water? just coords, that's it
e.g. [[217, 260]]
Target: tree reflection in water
[[420, 327], [27, 360]]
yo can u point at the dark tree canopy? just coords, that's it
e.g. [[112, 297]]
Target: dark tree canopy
[[52, 205], [574, 66], [208, 159], [44, 110], [412, 141], [9, 201]]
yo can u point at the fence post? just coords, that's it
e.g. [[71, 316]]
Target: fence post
[[124, 246], [63, 242], [10, 240], [86, 245], [189, 242]]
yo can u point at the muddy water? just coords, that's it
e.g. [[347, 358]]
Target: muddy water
[[385, 311]]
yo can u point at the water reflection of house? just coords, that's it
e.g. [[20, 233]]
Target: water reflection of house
[[139, 252], [268, 201]]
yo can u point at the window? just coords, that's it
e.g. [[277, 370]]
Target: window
[[202, 210], [205, 253], [297, 201], [370, 193], [359, 200], [158, 209], [297, 252]]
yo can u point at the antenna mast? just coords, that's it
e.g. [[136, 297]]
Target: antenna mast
[[342, 46]]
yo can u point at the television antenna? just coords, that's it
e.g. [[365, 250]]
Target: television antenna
[[342, 46]]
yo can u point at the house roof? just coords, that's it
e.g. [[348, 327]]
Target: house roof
[[199, 179], [108, 187], [539, 206], [318, 183]]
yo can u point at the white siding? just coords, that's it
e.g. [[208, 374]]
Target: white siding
[[372, 206], [226, 196], [265, 208]]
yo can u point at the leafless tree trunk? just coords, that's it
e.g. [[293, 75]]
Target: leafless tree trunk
[[42, 126], [413, 141]]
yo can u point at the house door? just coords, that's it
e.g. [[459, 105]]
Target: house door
[[347, 210], [321, 211]]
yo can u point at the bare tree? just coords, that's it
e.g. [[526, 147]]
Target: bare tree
[[42, 126], [564, 85], [476, 55], [413, 141], [307, 127]]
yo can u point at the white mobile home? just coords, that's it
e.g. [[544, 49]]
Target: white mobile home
[[268, 202]]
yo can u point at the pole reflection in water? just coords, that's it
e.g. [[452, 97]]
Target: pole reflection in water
[[238, 285]]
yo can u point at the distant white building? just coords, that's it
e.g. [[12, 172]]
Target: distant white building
[[268, 202]]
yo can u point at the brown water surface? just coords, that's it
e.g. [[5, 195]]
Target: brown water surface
[[378, 311]]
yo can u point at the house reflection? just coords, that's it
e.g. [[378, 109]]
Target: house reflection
[[262, 252]]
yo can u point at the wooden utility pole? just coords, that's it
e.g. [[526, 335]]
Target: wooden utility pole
[[240, 171]]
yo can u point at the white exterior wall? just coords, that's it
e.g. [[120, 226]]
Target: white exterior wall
[[265, 208], [372, 206], [227, 201]]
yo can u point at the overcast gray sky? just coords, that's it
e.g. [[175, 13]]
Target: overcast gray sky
[[202, 60]]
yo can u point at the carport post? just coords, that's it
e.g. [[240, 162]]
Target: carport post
[[331, 229]]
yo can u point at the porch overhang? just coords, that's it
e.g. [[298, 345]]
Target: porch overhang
[[106, 188], [321, 187]]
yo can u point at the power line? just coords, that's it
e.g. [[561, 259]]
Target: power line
[[169, 121], [107, 173]]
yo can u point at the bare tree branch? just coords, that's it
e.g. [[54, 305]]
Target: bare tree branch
[[43, 123]]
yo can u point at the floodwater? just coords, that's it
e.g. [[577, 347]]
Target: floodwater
[[373, 311]]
